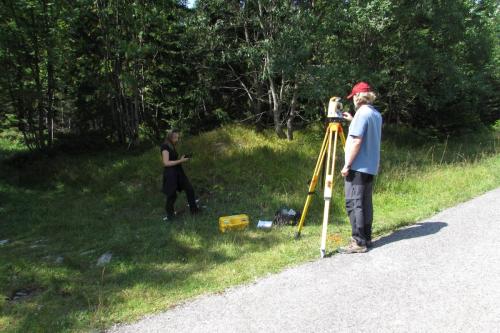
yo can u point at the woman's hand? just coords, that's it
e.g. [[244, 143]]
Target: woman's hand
[[168, 163]]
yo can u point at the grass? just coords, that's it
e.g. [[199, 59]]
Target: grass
[[61, 214]]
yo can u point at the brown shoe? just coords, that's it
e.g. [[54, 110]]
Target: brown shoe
[[353, 247]]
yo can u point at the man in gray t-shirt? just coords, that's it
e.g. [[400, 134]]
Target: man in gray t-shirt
[[362, 159]]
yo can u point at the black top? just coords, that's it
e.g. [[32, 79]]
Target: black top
[[172, 155], [172, 175]]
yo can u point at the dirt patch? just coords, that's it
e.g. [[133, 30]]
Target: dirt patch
[[22, 294]]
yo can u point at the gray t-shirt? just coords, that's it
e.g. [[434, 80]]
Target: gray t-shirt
[[367, 123]]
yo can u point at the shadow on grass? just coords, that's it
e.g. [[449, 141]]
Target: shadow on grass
[[417, 230], [46, 215], [151, 257], [111, 202]]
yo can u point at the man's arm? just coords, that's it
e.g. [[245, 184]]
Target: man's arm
[[353, 150]]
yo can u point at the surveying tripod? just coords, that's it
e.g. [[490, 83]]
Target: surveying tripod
[[328, 150]]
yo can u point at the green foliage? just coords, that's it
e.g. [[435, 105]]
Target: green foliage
[[31, 55], [427, 60], [128, 70], [8, 129]]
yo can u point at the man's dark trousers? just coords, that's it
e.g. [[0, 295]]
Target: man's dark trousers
[[359, 206]]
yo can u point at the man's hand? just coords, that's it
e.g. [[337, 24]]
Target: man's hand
[[345, 171], [352, 150], [347, 116]]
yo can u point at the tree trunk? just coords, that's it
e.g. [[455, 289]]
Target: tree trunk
[[293, 114], [50, 96], [39, 139], [276, 103], [50, 77], [257, 111], [278, 128]]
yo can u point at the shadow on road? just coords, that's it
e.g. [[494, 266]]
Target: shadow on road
[[417, 230]]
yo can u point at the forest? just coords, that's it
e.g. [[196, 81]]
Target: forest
[[84, 73]]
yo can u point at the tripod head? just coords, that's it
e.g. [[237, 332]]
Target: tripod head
[[334, 112]]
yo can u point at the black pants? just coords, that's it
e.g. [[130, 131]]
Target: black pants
[[359, 205], [183, 184]]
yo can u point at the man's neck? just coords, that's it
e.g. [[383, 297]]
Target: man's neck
[[360, 105]]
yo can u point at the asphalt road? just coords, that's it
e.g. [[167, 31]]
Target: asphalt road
[[440, 275]]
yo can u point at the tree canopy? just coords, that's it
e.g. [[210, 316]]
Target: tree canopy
[[122, 71]]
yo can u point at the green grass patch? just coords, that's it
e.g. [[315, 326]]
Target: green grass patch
[[61, 214]]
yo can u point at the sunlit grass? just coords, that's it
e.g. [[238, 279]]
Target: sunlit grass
[[79, 207]]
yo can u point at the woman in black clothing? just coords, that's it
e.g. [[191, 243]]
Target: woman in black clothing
[[174, 178]]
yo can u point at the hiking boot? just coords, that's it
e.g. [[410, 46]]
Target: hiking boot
[[353, 247]]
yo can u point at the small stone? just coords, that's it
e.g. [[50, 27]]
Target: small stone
[[84, 253], [59, 260], [104, 259], [4, 241]]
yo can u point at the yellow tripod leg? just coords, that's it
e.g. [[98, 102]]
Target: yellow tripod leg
[[330, 166], [342, 137], [336, 236], [313, 183], [324, 230], [328, 150], [338, 133], [329, 184]]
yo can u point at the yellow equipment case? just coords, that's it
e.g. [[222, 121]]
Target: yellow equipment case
[[233, 222]]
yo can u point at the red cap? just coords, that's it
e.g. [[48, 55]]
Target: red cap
[[358, 88]]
